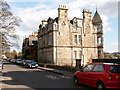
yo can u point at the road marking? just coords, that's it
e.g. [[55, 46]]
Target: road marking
[[51, 77], [61, 76], [54, 77]]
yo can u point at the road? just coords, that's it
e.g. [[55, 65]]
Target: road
[[19, 77]]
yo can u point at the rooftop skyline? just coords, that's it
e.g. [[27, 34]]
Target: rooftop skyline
[[32, 12]]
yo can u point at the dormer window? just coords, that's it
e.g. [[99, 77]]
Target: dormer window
[[63, 23], [74, 25]]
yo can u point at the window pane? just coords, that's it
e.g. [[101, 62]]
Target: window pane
[[88, 68], [98, 68], [75, 54], [75, 39], [115, 68], [99, 41]]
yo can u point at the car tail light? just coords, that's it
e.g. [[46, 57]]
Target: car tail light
[[109, 76]]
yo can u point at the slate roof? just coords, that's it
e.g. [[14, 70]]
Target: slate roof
[[96, 18]]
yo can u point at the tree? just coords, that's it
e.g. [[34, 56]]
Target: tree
[[11, 54], [8, 24], [8, 54], [14, 53]]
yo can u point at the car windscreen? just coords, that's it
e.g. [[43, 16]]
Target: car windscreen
[[31, 61], [115, 68]]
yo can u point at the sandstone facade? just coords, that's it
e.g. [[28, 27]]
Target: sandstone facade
[[61, 41]]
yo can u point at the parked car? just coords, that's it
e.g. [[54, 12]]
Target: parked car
[[99, 75], [1, 65], [23, 62], [13, 60], [19, 61], [31, 64]]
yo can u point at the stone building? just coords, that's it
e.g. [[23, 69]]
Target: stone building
[[30, 47], [62, 41]]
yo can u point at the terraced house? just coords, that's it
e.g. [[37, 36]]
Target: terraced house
[[29, 47], [62, 41]]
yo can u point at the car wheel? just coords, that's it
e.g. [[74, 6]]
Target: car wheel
[[76, 81], [100, 86]]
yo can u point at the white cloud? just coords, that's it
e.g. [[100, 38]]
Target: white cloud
[[110, 9], [58, 0], [106, 24], [27, 0], [32, 17]]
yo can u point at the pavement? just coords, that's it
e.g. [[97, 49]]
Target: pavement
[[57, 71]]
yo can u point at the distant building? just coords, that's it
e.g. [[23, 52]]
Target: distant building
[[62, 41], [115, 55], [29, 47]]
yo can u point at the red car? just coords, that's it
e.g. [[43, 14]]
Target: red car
[[99, 75]]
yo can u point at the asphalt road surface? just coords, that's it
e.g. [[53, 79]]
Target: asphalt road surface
[[18, 77]]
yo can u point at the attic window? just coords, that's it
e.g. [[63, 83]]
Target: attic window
[[65, 11], [63, 23]]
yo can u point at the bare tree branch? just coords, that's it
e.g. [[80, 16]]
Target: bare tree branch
[[8, 24]]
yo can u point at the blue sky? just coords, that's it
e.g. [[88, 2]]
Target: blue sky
[[33, 11]]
